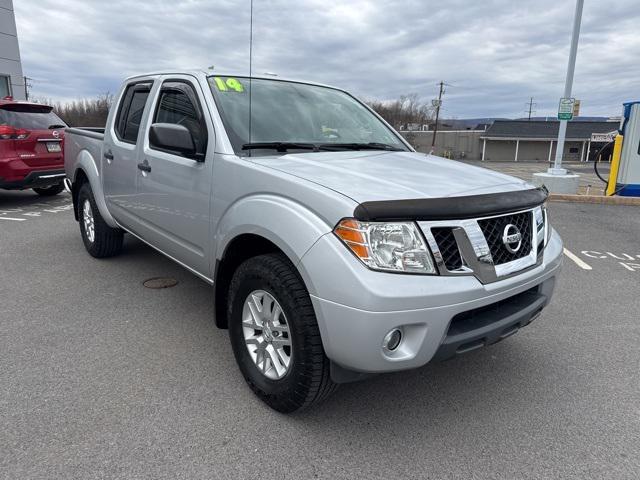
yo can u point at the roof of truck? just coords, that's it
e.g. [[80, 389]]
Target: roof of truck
[[212, 73]]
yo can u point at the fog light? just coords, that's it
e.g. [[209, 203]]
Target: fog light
[[392, 340]]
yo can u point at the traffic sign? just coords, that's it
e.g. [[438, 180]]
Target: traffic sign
[[565, 108]]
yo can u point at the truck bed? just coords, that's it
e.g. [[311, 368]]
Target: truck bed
[[93, 132], [78, 142]]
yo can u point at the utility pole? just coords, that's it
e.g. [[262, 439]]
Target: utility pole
[[531, 105], [27, 86], [562, 131], [438, 103]]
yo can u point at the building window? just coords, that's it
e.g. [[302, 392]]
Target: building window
[[574, 150], [5, 86]]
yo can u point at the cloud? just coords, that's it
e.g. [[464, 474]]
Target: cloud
[[495, 54]]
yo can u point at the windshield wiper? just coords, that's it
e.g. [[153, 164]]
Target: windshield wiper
[[279, 146], [56, 125], [285, 146], [360, 146]]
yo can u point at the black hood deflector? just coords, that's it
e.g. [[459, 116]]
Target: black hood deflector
[[451, 208]]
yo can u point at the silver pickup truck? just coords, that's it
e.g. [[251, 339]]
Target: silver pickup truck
[[335, 251]]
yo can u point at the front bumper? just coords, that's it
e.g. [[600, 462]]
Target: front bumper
[[356, 307]]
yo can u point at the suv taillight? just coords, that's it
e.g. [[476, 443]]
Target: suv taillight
[[6, 132], [9, 133]]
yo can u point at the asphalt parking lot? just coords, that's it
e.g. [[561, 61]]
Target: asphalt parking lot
[[103, 378]]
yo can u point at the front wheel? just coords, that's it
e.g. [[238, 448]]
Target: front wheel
[[275, 335], [99, 239], [49, 191]]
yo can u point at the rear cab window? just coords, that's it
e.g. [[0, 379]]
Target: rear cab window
[[130, 111]]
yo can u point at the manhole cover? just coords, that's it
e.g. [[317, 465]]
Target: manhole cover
[[160, 282]]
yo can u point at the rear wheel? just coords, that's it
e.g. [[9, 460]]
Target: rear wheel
[[99, 239], [49, 191], [275, 335]]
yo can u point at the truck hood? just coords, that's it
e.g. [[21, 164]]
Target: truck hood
[[369, 176]]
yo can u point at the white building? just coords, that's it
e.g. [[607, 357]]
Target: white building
[[11, 76]]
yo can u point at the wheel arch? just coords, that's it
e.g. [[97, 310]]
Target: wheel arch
[[87, 171], [259, 224], [239, 249], [79, 179]]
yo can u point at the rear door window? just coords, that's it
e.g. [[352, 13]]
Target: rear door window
[[129, 117]]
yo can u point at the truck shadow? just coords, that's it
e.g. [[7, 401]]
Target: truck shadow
[[488, 390]]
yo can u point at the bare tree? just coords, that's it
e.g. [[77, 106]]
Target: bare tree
[[406, 110], [83, 112]]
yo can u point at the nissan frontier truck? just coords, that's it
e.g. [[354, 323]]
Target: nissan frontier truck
[[334, 250]]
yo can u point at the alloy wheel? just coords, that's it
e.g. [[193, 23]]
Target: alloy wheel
[[266, 334], [87, 218]]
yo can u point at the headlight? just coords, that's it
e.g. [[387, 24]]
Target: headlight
[[542, 224], [390, 247], [547, 226]]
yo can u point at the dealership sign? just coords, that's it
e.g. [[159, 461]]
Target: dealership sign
[[604, 137]]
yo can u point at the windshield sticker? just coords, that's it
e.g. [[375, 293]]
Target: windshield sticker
[[229, 85], [330, 132]]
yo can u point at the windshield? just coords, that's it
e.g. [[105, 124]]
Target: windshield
[[296, 116], [30, 118]]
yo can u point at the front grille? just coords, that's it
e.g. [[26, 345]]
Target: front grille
[[493, 229], [448, 247]]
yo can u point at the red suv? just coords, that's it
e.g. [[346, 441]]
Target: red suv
[[31, 138]]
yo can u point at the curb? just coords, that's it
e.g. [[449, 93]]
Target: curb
[[597, 199]]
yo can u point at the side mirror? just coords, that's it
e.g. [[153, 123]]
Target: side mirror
[[172, 138]]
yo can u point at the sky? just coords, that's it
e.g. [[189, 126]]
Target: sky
[[495, 55]]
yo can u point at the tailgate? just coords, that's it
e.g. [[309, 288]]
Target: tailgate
[[41, 148]]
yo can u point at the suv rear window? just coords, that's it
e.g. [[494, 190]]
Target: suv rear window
[[131, 109], [30, 117]]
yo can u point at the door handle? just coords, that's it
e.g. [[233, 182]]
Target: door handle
[[108, 155], [145, 167]]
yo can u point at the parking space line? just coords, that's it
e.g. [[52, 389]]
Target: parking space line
[[14, 219], [578, 261]]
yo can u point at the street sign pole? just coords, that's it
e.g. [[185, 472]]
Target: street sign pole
[[562, 131]]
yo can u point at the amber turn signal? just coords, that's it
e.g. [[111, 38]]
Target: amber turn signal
[[351, 233]]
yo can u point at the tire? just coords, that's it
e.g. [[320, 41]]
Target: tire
[[50, 191], [307, 380], [99, 239]]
